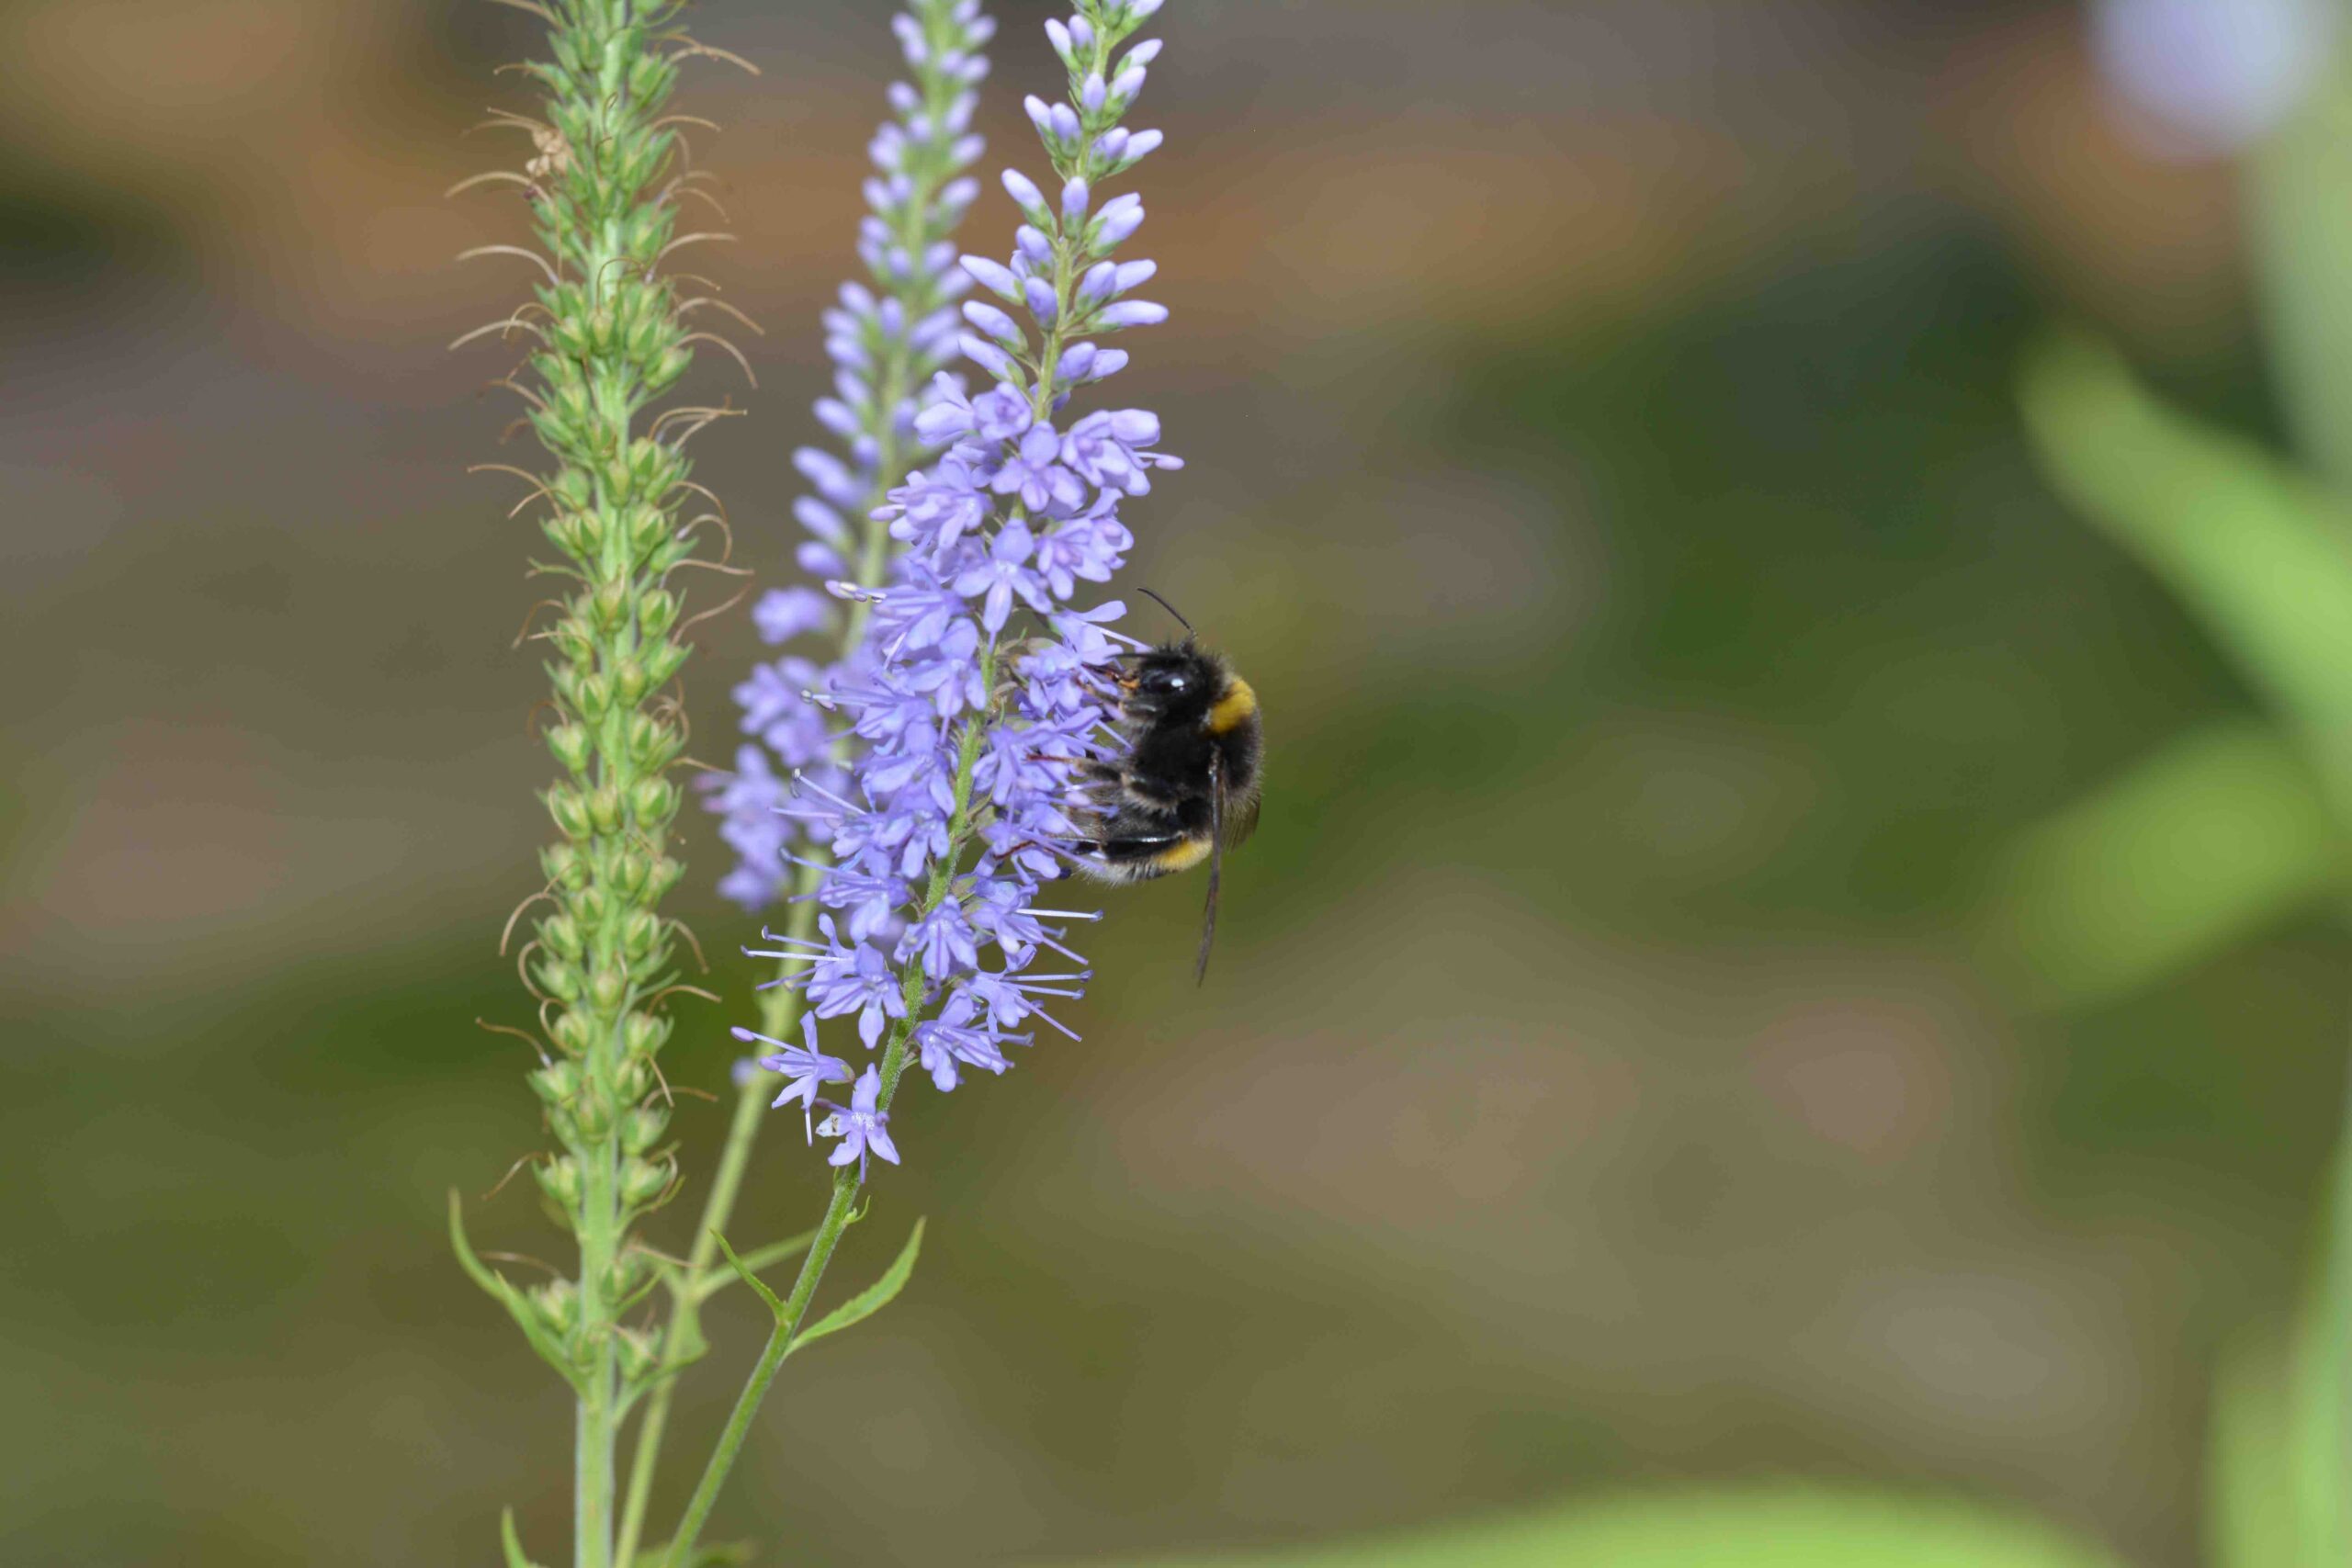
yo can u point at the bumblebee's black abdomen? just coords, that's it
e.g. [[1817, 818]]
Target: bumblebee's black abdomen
[[1138, 842]]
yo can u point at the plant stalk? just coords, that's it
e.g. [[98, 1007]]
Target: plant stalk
[[838, 1212]]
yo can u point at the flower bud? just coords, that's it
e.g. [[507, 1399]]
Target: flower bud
[[570, 810], [657, 611], [660, 376], [653, 801], [560, 1179], [649, 529], [642, 1182], [591, 1113], [573, 533], [608, 989], [1027, 196], [572, 1029], [635, 1352], [558, 1081], [655, 469], [1120, 216], [572, 640], [639, 934], [662, 876], [993, 276], [651, 744], [562, 933], [564, 867], [649, 339], [608, 606], [643, 1128], [996, 323], [556, 1302], [571, 745], [558, 978], [642, 1035]]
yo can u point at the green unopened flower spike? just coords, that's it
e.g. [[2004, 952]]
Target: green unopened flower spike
[[604, 181]]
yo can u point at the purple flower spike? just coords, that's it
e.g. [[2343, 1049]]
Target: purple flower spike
[[896, 330], [973, 712]]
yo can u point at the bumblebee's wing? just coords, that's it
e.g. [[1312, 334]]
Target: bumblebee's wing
[[1216, 864], [1238, 816]]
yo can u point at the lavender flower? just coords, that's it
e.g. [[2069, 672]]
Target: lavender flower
[[981, 691], [2213, 77], [887, 338], [804, 1066], [860, 1127]]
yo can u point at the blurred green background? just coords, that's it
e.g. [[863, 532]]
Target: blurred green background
[[1701, 1008]]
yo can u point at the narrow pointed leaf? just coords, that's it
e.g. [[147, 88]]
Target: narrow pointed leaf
[[2302, 233], [2217, 834], [767, 1256], [872, 1299], [743, 1269], [2255, 551], [2251, 1511], [504, 1291], [515, 1557], [2320, 1426]]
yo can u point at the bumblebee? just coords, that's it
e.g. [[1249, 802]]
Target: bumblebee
[[1186, 788]]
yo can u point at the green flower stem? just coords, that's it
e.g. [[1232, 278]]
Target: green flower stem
[[838, 1213], [780, 1004], [779, 1013], [771, 1355]]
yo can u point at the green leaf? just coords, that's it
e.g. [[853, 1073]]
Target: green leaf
[[872, 1299], [1752, 1527], [2252, 1514], [2220, 833], [2258, 553], [504, 1291], [743, 1270], [515, 1558], [767, 1256], [2301, 228], [2319, 1378]]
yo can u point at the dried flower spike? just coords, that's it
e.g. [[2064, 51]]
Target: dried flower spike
[[602, 186]]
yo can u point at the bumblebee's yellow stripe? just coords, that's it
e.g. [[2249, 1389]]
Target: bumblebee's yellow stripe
[[1180, 857], [1237, 704]]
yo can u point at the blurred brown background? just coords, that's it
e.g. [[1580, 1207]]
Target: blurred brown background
[[1602, 463]]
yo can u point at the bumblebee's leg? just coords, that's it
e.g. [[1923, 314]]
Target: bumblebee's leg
[[1216, 865]]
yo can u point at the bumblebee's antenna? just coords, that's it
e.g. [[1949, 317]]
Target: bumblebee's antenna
[[1171, 610]]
